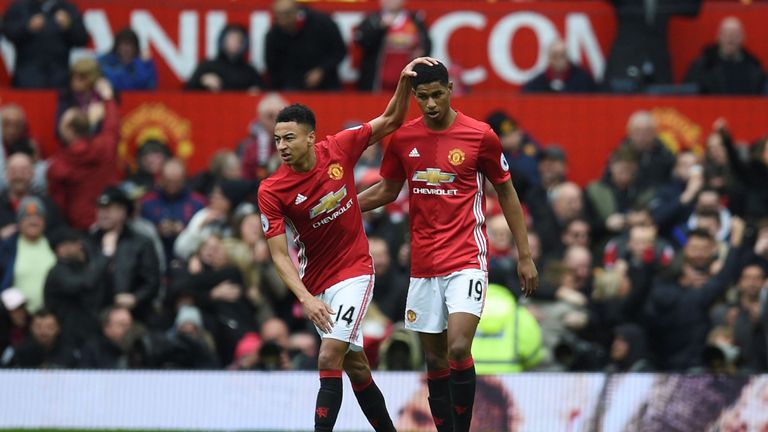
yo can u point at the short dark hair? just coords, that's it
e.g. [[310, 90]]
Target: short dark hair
[[709, 214], [44, 313], [426, 74], [301, 114], [700, 233]]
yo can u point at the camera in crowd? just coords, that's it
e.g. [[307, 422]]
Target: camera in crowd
[[576, 354]]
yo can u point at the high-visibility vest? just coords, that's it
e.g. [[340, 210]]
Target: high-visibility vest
[[508, 338]]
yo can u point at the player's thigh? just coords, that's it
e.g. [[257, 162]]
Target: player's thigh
[[425, 310], [349, 299]]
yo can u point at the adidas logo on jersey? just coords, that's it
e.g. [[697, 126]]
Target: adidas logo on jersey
[[299, 199], [414, 153]]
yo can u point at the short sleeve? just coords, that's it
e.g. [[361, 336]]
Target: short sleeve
[[491, 161], [272, 219], [391, 168], [353, 141]]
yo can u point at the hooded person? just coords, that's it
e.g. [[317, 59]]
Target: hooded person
[[125, 66], [230, 70], [629, 351]]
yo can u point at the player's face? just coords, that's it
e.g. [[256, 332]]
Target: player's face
[[293, 142], [434, 100]]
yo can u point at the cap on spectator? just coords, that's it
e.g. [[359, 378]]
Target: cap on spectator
[[63, 235], [554, 152], [236, 191], [13, 298], [30, 206], [501, 123], [189, 315], [248, 344], [153, 146], [115, 195]]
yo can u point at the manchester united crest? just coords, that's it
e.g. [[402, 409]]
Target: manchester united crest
[[410, 315], [456, 157], [335, 171]]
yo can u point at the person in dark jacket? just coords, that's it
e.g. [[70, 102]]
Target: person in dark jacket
[[108, 350], [44, 348], [14, 322], [389, 38], [303, 49], [750, 328], [43, 32], [678, 308], [134, 269], [752, 202], [674, 203], [230, 69], [76, 288], [125, 66], [561, 75], [629, 350], [727, 67]]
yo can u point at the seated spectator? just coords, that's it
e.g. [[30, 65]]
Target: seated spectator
[[82, 92], [133, 269], [109, 349], [273, 354], [564, 202], [389, 38], [76, 287], [727, 67], [171, 205], [390, 287], [561, 75], [142, 226], [14, 137], [151, 155], [552, 167], [43, 34], [14, 322], [640, 243], [673, 203], [26, 257], [257, 151], [125, 66], [303, 48], [19, 176], [520, 149], [230, 70], [223, 165], [629, 350], [44, 348], [82, 158], [195, 343], [709, 202]]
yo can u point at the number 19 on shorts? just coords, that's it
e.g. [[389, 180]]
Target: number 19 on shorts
[[475, 289]]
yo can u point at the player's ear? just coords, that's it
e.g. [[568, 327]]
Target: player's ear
[[311, 137], [450, 87]]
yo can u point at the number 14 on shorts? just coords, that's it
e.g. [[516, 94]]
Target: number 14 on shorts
[[347, 316]]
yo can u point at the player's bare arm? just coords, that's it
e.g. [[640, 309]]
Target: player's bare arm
[[394, 115], [513, 213], [317, 311], [382, 193]]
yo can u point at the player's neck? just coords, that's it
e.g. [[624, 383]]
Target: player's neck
[[442, 124], [306, 164]]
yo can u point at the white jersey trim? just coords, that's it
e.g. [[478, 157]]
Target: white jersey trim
[[302, 249], [480, 239]]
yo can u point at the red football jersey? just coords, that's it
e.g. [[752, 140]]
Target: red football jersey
[[321, 208], [446, 172]]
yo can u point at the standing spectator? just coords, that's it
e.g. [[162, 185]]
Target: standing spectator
[[14, 321], [389, 38], [43, 33], [134, 271], [753, 175], [19, 176], [674, 203], [76, 287], [565, 202], [45, 347], [230, 69], [171, 205], [727, 67], [520, 149], [561, 75], [257, 150], [223, 165], [82, 93], [151, 155], [303, 49], [26, 257], [15, 139], [750, 328], [108, 350], [126, 67], [82, 158]]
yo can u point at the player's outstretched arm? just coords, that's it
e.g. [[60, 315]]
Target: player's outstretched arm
[[394, 115], [383, 192], [317, 311], [513, 213]]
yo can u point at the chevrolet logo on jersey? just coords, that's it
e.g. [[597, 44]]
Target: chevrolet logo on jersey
[[328, 203], [433, 177]]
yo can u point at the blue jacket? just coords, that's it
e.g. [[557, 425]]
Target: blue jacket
[[137, 75], [8, 249]]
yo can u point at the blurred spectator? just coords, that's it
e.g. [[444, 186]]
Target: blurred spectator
[[746, 318], [303, 48], [273, 354], [14, 137], [26, 257], [151, 155], [640, 243], [44, 347], [709, 203], [126, 67], [561, 75], [171, 205], [14, 322], [82, 93], [753, 175], [82, 158], [565, 202], [194, 345], [639, 55], [390, 288], [257, 151], [223, 165], [134, 273], [679, 306], [629, 350], [520, 150], [230, 70], [43, 33], [717, 165], [655, 161], [19, 175], [389, 38], [108, 350], [76, 287], [727, 67], [674, 202], [401, 351], [246, 352]]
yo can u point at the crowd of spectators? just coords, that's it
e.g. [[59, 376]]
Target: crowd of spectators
[[660, 263]]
